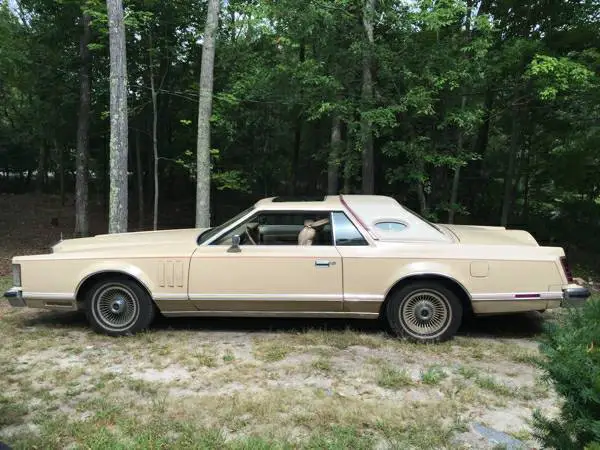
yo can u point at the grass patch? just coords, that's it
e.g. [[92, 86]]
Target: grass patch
[[392, 378], [340, 340], [489, 383], [5, 284], [271, 350], [322, 364], [468, 372], [205, 359], [434, 375], [228, 356], [522, 435], [142, 387], [11, 411]]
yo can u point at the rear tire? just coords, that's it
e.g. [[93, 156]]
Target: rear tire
[[118, 307], [424, 311]]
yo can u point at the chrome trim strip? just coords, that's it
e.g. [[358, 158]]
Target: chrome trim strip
[[271, 297], [332, 222], [291, 314], [67, 296], [274, 297], [166, 296], [363, 298], [517, 296]]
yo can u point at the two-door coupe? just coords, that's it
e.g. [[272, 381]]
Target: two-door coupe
[[354, 256]]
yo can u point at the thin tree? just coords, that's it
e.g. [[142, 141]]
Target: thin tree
[[154, 136], [117, 221], [368, 170], [204, 112], [334, 156], [83, 127]]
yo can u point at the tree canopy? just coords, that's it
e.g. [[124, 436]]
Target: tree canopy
[[480, 111]]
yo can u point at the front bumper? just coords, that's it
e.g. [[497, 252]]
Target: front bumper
[[575, 295], [15, 297]]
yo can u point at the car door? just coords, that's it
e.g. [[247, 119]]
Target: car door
[[273, 275]]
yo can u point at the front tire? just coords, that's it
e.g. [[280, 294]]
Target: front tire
[[424, 312], [118, 307]]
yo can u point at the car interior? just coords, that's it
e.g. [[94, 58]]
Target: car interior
[[281, 228]]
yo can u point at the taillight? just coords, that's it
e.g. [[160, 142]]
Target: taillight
[[566, 268]]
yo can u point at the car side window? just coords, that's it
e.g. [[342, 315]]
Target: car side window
[[391, 226], [283, 228], [346, 234]]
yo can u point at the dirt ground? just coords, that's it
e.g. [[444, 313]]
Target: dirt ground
[[217, 383]]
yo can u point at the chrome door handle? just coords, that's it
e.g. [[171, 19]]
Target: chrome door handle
[[324, 263]]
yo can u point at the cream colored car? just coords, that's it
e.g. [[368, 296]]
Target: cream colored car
[[351, 256]]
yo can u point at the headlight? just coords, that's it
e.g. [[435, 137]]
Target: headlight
[[16, 268]]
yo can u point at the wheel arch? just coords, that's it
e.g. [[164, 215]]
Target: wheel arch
[[448, 281], [89, 280]]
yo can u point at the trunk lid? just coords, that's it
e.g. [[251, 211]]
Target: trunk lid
[[488, 235]]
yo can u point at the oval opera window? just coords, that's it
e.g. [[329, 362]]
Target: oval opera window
[[391, 226]]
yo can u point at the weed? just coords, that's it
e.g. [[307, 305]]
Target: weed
[[392, 378], [434, 375]]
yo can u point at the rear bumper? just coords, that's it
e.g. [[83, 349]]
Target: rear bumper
[[15, 297], [575, 296]]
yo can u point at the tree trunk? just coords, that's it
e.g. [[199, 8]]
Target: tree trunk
[[154, 138], [117, 222], [83, 126], [347, 189], [140, 180], [61, 171], [334, 151], [204, 112], [510, 172], [39, 179], [454, 194], [456, 177], [368, 170], [297, 134]]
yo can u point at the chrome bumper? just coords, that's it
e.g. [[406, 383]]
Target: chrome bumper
[[575, 296], [15, 297]]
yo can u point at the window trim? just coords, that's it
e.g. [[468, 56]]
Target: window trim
[[357, 227], [256, 212], [232, 226]]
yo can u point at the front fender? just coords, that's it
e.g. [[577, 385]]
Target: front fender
[[115, 267]]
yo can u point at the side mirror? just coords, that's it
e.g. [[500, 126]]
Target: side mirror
[[235, 244]]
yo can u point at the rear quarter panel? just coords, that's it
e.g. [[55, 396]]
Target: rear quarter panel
[[485, 271]]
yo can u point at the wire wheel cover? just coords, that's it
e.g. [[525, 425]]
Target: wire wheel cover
[[426, 313], [116, 307]]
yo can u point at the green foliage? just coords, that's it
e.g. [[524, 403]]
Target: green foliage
[[572, 366], [448, 78], [434, 375], [558, 75]]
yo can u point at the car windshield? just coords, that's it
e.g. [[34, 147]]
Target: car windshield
[[207, 234]]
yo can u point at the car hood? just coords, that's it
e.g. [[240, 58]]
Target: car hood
[[128, 240], [487, 235]]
